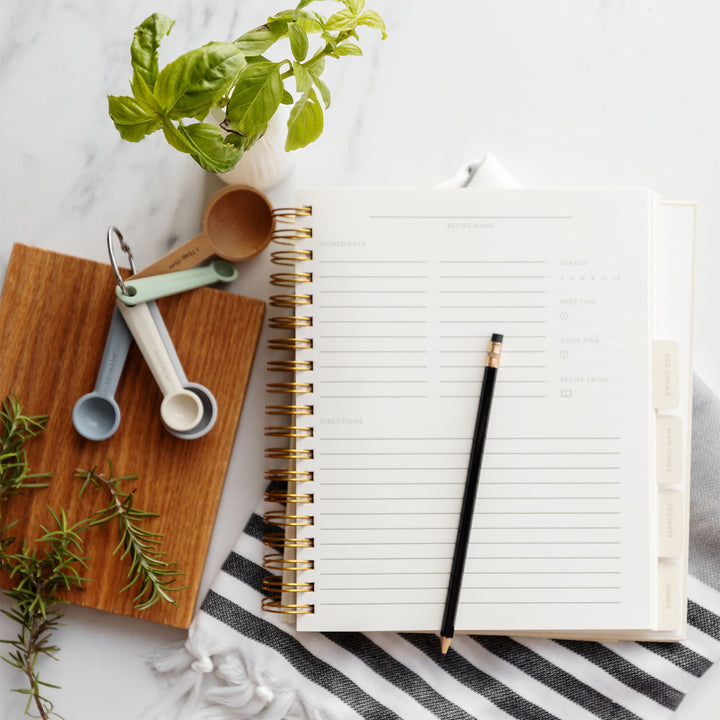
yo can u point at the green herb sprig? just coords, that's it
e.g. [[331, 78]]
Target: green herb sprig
[[41, 575], [154, 575], [15, 429], [237, 78]]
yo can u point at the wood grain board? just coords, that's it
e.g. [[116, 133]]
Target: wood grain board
[[55, 311]]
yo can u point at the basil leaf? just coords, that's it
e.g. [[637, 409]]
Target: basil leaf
[[319, 84], [257, 41], [305, 123], [310, 21], [303, 79], [192, 84], [132, 120], [287, 98], [298, 41], [354, 6], [145, 44], [256, 97], [144, 95], [205, 143], [343, 20], [373, 20], [347, 49]]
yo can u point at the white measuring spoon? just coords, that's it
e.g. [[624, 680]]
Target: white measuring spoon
[[181, 409]]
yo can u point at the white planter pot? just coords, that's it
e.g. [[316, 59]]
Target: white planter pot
[[266, 163]]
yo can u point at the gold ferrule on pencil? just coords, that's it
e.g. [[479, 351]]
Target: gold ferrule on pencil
[[493, 357]]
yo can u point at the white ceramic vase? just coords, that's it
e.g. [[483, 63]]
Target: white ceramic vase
[[266, 163]]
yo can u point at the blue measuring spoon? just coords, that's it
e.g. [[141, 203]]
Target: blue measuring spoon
[[96, 415]]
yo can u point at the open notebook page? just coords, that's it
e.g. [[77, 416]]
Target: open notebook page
[[407, 288]]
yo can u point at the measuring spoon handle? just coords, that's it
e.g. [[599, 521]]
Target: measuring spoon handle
[[116, 350], [148, 339], [145, 289], [185, 256], [167, 340]]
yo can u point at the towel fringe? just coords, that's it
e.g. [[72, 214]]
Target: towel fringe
[[221, 685]]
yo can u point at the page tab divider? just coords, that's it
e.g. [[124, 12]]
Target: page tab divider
[[669, 594], [665, 374], [669, 444], [671, 521]]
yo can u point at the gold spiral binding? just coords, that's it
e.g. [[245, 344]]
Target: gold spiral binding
[[276, 584], [274, 605], [277, 561], [291, 343], [289, 431], [290, 257], [280, 541], [283, 588], [289, 279], [288, 236], [287, 475], [280, 518], [288, 409], [290, 300], [290, 366], [293, 388], [289, 453], [277, 496], [289, 214], [290, 321]]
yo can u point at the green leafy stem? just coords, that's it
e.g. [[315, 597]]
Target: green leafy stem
[[239, 80], [140, 546], [42, 572]]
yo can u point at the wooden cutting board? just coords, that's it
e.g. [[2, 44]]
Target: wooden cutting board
[[55, 311]]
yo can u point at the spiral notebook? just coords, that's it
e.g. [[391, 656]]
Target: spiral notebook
[[386, 301]]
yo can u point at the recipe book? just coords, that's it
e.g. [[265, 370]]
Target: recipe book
[[388, 300]]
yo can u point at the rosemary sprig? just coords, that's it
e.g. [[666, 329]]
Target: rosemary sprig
[[41, 574], [15, 429], [147, 569]]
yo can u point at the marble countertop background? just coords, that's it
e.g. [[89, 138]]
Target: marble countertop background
[[594, 93]]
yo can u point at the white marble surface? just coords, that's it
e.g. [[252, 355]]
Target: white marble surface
[[601, 92]]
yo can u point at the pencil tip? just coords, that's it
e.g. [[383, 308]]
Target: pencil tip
[[445, 644], [496, 337]]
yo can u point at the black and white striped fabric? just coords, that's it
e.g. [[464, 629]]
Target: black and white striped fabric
[[240, 662]]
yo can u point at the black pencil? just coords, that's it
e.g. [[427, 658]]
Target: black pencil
[[467, 509]]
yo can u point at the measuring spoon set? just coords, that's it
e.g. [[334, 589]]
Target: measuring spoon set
[[238, 223]]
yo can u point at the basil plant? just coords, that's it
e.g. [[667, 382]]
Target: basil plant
[[237, 78]]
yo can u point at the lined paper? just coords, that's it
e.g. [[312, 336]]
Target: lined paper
[[407, 288]]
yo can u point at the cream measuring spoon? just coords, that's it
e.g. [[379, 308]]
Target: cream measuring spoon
[[140, 290], [181, 410], [210, 407], [237, 224]]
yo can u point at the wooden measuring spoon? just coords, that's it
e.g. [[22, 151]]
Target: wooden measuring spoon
[[237, 224]]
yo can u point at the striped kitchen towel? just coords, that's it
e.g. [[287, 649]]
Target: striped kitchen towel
[[240, 662]]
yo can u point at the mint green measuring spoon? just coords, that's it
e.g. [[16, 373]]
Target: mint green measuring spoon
[[156, 286]]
